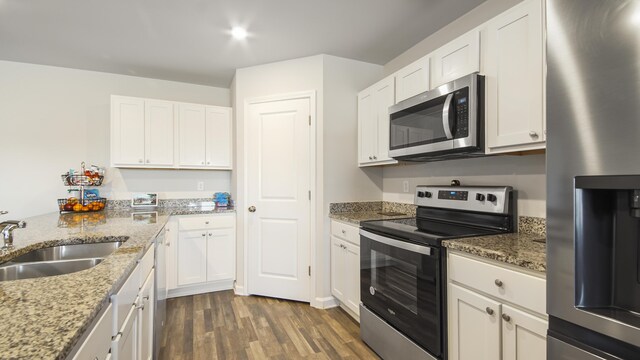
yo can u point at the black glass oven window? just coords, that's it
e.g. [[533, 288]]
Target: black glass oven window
[[397, 279], [418, 125]]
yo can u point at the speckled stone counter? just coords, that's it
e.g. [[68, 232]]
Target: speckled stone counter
[[526, 248], [357, 212], [43, 318]]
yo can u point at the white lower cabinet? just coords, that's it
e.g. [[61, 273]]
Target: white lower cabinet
[[345, 266], [146, 309], [201, 254], [489, 326], [98, 342]]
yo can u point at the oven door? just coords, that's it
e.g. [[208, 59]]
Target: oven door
[[401, 283]]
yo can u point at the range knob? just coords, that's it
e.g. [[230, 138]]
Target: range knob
[[491, 197], [421, 194], [480, 197], [427, 194]]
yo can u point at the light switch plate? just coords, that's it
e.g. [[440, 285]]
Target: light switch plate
[[200, 185], [405, 186]]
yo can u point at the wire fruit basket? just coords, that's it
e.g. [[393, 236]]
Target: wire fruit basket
[[81, 205], [82, 180]]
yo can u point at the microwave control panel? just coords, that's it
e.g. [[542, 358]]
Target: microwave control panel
[[461, 99]]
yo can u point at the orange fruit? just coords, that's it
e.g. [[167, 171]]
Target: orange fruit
[[77, 207], [85, 208]]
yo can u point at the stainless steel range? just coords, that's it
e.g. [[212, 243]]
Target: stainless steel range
[[403, 269]]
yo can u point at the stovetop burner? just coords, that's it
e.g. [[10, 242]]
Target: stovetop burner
[[451, 213]]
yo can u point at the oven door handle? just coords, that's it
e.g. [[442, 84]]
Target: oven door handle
[[446, 122], [424, 250]]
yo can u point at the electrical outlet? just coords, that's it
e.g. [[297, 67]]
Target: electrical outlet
[[200, 185], [405, 186]]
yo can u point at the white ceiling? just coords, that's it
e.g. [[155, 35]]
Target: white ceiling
[[188, 40]]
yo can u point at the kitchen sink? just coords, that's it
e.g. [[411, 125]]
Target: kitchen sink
[[14, 271], [69, 252]]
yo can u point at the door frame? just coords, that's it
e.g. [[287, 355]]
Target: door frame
[[311, 95]]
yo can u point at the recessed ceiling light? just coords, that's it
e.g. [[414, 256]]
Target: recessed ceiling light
[[238, 32]]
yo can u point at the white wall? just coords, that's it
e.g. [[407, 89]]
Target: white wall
[[525, 173], [264, 80], [336, 82], [53, 118]]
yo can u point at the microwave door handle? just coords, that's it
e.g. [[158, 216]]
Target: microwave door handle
[[446, 122]]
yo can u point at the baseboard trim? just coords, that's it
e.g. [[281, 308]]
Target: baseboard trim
[[325, 302], [239, 290], [201, 288]]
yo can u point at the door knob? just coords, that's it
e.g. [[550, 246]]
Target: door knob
[[252, 209]]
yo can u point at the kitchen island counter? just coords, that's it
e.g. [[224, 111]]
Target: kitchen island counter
[[45, 317]]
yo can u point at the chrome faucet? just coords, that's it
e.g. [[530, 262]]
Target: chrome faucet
[[6, 229]]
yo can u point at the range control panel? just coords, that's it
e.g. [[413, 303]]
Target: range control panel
[[491, 199]]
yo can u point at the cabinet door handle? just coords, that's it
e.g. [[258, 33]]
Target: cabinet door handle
[[208, 162], [344, 232], [498, 283], [206, 223], [202, 163], [140, 161], [148, 161], [506, 317], [533, 134], [204, 234], [252, 209], [375, 157], [489, 310], [210, 234], [370, 158]]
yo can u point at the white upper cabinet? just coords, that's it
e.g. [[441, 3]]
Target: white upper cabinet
[[159, 132], [192, 140], [127, 131], [147, 133], [412, 79], [205, 136], [513, 64], [373, 123], [218, 137], [457, 58]]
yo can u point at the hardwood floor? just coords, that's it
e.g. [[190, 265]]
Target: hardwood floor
[[224, 326]]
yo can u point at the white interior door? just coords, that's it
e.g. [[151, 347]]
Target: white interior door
[[278, 185]]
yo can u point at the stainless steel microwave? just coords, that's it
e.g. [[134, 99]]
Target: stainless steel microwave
[[446, 122]]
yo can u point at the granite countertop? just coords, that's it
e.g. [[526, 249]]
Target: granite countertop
[[357, 217], [43, 318], [518, 249]]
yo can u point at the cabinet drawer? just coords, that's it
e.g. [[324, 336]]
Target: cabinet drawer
[[146, 264], [516, 287], [206, 222], [97, 344], [124, 299], [346, 232]]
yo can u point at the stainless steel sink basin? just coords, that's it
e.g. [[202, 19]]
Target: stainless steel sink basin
[[69, 252], [45, 268]]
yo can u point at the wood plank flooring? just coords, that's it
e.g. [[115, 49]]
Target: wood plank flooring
[[223, 326]]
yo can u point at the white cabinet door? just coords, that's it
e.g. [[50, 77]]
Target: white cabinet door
[[145, 318], [524, 336], [412, 80], [127, 131], [124, 345], [383, 94], [218, 137], [192, 139], [457, 58], [220, 254], [367, 127], [338, 268], [474, 325], [352, 275], [514, 79], [159, 125], [192, 257]]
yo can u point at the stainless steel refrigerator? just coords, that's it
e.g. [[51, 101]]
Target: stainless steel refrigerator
[[593, 179]]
